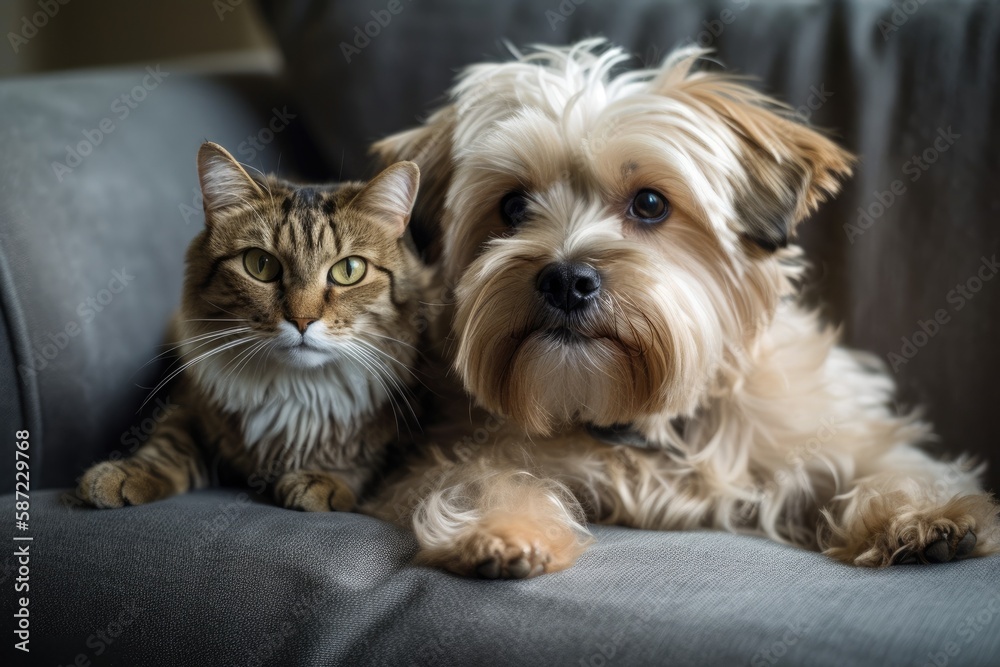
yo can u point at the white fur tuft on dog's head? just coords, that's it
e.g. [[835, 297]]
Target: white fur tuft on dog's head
[[565, 142]]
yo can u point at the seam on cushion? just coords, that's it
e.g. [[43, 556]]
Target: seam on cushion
[[27, 385]]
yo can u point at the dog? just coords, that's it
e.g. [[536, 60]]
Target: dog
[[626, 318]]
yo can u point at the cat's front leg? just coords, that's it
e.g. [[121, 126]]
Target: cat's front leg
[[316, 491], [169, 463]]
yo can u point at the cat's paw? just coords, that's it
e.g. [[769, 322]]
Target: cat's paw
[[113, 484], [507, 547], [892, 532], [314, 491]]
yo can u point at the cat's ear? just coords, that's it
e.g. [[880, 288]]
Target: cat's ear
[[389, 197], [224, 182]]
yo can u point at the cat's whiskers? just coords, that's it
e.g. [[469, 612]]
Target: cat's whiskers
[[358, 359], [271, 344], [239, 360], [373, 348], [401, 389], [394, 340], [228, 312], [204, 339], [264, 181], [412, 372], [217, 319], [210, 339], [253, 209], [199, 358]]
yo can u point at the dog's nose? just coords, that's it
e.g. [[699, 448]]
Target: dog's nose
[[301, 323], [569, 286]]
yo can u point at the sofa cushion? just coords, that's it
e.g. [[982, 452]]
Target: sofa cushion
[[220, 577]]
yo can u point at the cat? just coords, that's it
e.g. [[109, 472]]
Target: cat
[[302, 314]]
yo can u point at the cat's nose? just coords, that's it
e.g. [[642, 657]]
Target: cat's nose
[[302, 323]]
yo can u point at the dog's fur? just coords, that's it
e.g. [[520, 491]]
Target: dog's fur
[[754, 419]]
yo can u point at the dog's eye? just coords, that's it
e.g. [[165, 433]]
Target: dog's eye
[[514, 208], [649, 206]]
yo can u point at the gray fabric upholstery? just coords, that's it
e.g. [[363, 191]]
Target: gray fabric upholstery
[[113, 230], [217, 578], [886, 76]]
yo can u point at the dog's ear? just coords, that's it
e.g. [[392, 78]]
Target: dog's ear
[[788, 168], [430, 147]]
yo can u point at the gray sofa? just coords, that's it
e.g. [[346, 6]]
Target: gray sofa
[[90, 268]]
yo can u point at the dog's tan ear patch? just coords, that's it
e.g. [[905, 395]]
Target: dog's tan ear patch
[[430, 147], [788, 168]]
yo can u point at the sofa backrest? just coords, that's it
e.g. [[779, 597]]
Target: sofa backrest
[[905, 257]]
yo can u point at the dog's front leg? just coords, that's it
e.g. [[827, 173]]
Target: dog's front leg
[[488, 519], [497, 523], [906, 507]]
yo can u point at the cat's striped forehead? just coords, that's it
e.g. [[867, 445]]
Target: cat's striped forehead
[[305, 218]]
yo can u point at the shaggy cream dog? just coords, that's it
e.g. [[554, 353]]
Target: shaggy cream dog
[[626, 317]]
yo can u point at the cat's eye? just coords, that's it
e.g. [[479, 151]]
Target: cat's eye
[[348, 271], [649, 207], [261, 265], [514, 208]]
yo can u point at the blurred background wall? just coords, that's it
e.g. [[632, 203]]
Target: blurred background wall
[[45, 35]]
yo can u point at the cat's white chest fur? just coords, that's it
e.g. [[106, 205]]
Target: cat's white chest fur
[[292, 411]]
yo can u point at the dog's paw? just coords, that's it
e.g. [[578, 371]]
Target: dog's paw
[[314, 491], [938, 541], [508, 547], [114, 484], [893, 532]]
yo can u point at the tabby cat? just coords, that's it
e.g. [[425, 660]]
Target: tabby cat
[[302, 314]]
